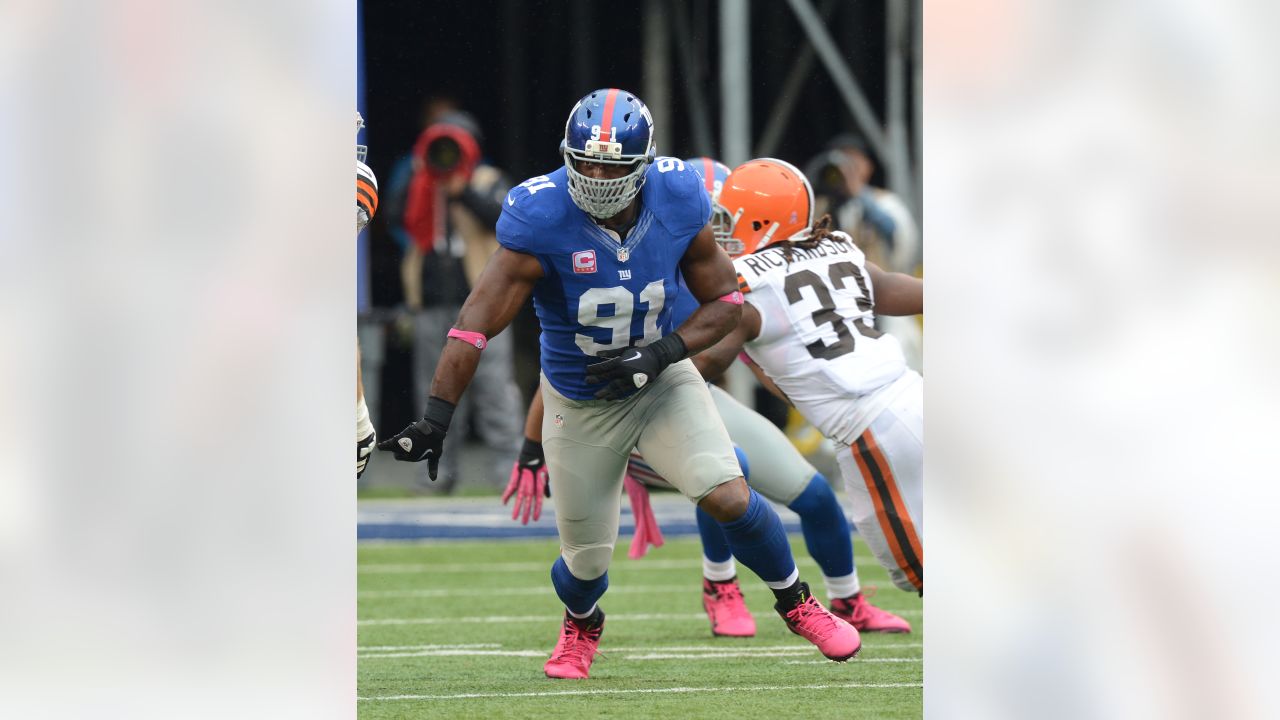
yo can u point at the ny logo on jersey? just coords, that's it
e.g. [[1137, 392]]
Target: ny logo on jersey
[[624, 274], [584, 261]]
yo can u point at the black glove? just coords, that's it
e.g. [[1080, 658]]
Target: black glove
[[364, 451], [423, 440], [533, 460], [633, 367]]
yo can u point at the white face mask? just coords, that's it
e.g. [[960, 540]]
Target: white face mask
[[603, 198]]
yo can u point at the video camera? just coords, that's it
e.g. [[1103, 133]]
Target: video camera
[[828, 172], [450, 146]]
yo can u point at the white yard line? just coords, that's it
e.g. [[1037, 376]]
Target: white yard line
[[397, 648], [539, 590], [718, 647], [859, 659], [503, 619], [649, 691], [542, 567], [545, 567]]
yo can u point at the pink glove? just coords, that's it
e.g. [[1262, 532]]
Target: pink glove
[[647, 530], [528, 482]]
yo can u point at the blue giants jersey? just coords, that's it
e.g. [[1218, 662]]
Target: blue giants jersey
[[596, 293]]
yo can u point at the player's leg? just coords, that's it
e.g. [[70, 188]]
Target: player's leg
[[721, 594], [780, 473], [686, 443], [585, 469], [884, 478]]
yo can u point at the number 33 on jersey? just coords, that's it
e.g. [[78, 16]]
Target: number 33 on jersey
[[601, 291], [823, 298]]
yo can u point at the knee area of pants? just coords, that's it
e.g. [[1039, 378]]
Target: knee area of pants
[[590, 563], [727, 503]]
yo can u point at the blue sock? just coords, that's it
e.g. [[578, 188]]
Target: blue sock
[[759, 541], [714, 545], [826, 530], [577, 595]]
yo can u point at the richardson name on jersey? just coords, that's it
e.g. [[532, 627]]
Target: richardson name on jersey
[[772, 257]]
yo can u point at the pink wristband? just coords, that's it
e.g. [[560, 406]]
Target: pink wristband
[[745, 358], [733, 298], [468, 337]]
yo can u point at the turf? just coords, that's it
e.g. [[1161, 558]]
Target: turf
[[444, 620]]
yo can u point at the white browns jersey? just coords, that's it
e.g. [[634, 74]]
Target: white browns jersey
[[817, 339]]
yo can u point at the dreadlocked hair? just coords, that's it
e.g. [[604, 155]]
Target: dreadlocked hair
[[822, 230]]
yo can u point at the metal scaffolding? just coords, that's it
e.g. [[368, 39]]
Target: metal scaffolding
[[894, 139]]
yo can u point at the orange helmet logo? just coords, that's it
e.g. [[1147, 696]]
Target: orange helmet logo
[[768, 200]]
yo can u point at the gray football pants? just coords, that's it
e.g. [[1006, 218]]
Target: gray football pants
[[673, 421]]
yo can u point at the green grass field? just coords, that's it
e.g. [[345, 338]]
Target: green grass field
[[461, 629]]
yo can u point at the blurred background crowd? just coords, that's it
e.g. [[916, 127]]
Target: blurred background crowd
[[462, 100]]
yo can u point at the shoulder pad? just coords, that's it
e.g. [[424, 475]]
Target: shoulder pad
[[679, 179], [538, 201]]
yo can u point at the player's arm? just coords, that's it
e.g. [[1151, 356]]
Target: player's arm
[[365, 435], [533, 421], [710, 277], [768, 383], [896, 293], [528, 480], [713, 361], [503, 287]]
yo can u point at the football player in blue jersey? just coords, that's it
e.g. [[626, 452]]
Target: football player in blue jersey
[[601, 244], [770, 464]]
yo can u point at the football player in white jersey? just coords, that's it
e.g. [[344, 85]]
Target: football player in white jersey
[[366, 206], [808, 324]]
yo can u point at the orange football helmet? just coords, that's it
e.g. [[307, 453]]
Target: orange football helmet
[[768, 200]]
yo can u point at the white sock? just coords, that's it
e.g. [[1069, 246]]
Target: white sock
[[588, 614], [719, 571], [842, 587], [784, 584]]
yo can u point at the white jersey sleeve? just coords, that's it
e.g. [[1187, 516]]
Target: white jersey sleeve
[[817, 336]]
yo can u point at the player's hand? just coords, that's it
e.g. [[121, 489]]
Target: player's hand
[[423, 440], [420, 441], [528, 482], [630, 368], [364, 451]]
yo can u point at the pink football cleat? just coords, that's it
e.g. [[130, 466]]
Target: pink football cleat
[[726, 609], [571, 660], [860, 613], [835, 638]]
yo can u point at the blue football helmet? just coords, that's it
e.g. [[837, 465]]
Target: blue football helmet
[[612, 127], [713, 174]]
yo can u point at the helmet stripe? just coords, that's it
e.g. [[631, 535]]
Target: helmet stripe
[[606, 118], [709, 174]]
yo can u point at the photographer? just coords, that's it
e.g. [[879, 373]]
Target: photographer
[[443, 204], [878, 220]]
